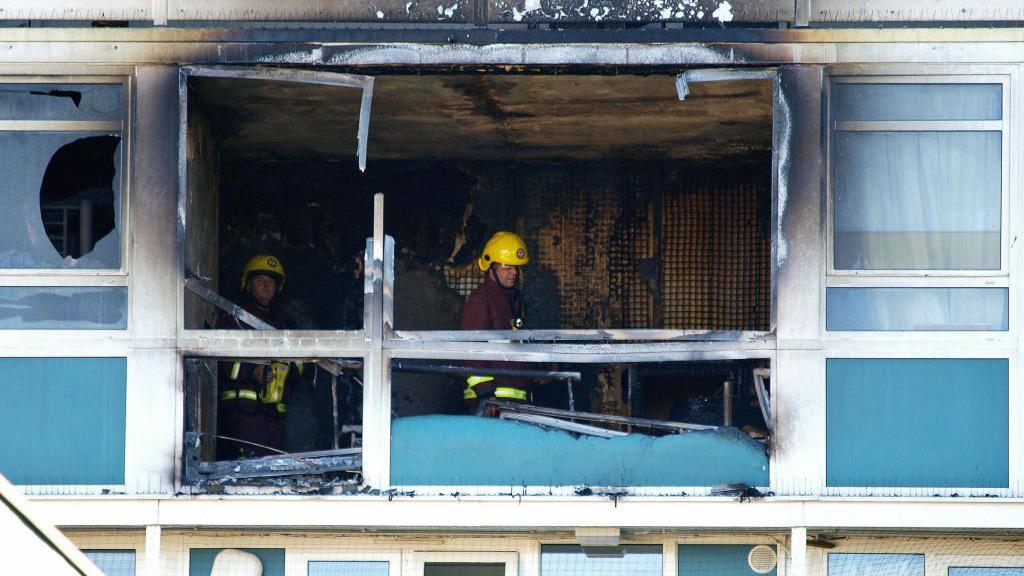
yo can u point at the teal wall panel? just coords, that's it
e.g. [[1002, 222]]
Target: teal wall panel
[[68, 416], [200, 560], [917, 422], [494, 452], [716, 560]]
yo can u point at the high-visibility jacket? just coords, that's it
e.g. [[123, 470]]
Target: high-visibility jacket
[[491, 307], [250, 409]]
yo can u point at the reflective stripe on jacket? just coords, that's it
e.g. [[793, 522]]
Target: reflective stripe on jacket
[[491, 307]]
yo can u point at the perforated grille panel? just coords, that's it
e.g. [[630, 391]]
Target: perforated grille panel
[[684, 249], [715, 253]]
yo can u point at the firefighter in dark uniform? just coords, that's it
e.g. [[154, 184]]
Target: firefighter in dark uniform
[[252, 395], [496, 304]]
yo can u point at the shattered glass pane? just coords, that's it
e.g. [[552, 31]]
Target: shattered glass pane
[[63, 308], [62, 197], [60, 102]]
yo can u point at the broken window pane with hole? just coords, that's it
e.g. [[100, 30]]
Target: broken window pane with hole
[[62, 197], [277, 420], [78, 102], [274, 191], [562, 424]]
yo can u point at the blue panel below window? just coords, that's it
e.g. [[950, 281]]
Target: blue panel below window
[[63, 308], [200, 560], [716, 560], [68, 416], [922, 309], [917, 422], [471, 451], [876, 565], [113, 562], [572, 560]]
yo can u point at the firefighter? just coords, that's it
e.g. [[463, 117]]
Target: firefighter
[[496, 304], [252, 395]]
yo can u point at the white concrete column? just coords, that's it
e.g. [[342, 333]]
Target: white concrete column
[[152, 563], [797, 552]]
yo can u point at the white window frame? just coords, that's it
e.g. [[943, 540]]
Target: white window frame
[[297, 561], [418, 560], [1002, 126], [1015, 420], [837, 278]]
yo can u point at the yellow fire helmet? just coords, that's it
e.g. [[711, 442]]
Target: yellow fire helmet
[[263, 264], [504, 248]]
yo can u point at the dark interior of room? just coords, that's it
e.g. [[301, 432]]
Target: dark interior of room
[[639, 210]]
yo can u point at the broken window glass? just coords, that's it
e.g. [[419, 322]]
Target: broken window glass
[[78, 102], [63, 308], [62, 196], [884, 309]]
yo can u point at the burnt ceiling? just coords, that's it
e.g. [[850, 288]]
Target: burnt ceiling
[[492, 117]]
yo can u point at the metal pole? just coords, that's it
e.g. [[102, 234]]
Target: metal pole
[[400, 366], [572, 401], [727, 403], [334, 408], [85, 223]]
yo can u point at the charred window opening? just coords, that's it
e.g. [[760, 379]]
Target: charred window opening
[[264, 165], [77, 199], [610, 424], [638, 211], [254, 419]]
